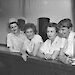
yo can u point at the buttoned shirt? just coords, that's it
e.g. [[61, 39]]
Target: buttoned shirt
[[15, 42], [29, 44], [48, 48]]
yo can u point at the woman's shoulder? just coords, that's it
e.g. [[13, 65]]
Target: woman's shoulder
[[37, 38], [58, 37], [9, 34], [45, 44], [47, 41], [37, 35]]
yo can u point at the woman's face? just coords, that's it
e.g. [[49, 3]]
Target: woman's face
[[29, 33], [51, 33], [64, 31], [14, 28]]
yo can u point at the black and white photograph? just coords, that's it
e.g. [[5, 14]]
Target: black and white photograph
[[37, 37]]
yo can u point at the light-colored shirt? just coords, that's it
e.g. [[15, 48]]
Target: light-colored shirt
[[15, 42], [48, 48], [29, 44], [69, 44]]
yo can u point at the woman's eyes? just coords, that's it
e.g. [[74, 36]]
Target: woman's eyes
[[49, 31], [13, 27], [29, 32]]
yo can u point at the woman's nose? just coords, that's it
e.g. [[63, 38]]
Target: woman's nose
[[60, 31]]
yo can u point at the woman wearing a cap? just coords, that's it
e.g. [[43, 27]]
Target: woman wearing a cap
[[14, 38]]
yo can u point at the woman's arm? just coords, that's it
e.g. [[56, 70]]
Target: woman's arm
[[55, 54], [41, 55], [24, 54], [36, 48]]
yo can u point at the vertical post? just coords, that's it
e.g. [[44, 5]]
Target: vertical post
[[43, 21]]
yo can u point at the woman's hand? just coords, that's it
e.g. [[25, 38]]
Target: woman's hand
[[24, 56], [47, 56], [54, 55], [69, 60]]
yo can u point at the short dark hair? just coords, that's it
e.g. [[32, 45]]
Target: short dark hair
[[30, 25], [21, 23], [52, 25], [65, 23]]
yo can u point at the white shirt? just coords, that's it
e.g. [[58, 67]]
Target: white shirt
[[29, 45], [15, 42], [69, 44], [48, 48]]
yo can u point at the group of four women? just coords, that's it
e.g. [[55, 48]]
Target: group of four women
[[58, 46]]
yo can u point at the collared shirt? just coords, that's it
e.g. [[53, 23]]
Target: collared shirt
[[48, 48], [15, 42], [29, 44], [69, 44]]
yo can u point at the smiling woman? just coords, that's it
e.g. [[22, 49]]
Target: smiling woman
[[34, 41], [15, 38]]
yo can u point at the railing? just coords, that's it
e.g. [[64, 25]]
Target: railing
[[13, 64]]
